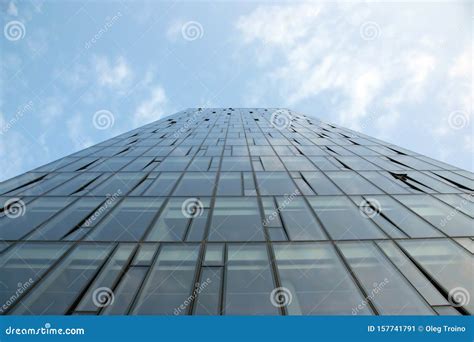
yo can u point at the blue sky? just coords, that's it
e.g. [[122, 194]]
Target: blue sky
[[398, 71]]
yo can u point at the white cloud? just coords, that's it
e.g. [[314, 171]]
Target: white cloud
[[412, 72], [152, 108], [110, 74]]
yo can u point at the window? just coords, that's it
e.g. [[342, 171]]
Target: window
[[352, 183], [26, 261], [55, 294], [230, 184], [35, 213], [447, 263], [249, 281], [196, 184], [342, 220], [317, 280], [236, 164], [299, 222], [275, 183], [163, 184], [394, 294], [236, 219], [128, 221], [445, 218], [170, 282], [320, 184]]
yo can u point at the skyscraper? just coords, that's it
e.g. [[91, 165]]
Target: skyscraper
[[238, 212]]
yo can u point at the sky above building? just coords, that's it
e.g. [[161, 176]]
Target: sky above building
[[76, 73]]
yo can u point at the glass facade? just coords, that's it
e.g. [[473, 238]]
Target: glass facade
[[232, 211]]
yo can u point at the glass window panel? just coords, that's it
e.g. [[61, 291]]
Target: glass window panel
[[323, 163], [461, 204], [118, 184], [275, 183], [413, 274], [85, 180], [230, 184], [128, 221], [446, 311], [389, 291], [126, 291], [249, 281], [343, 220], [172, 222], [196, 184], [55, 294], [320, 184], [208, 300], [67, 220], [145, 255], [23, 264], [236, 219], [45, 185], [447, 263], [173, 164], [384, 183], [163, 184], [108, 276], [170, 282], [411, 224], [298, 164], [445, 218], [357, 163], [34, 213], [352, 183], [112, 164], [317, 280], [299, 221], [236, 164], [214, 254], [200, 164], [272, 164]]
